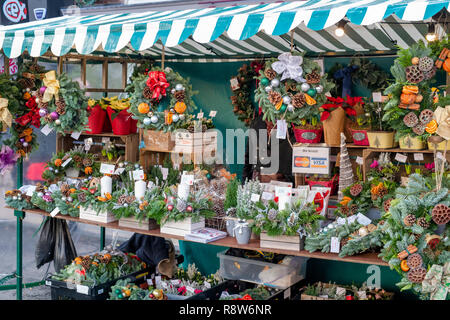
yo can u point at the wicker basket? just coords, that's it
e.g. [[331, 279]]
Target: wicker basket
[[218, 223]]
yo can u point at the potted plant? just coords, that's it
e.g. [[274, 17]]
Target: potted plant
[[380, 136], [96, 118]]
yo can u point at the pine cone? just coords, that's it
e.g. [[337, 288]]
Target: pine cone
[[344, 241], [270, 74], [274, 97], [313, 77], [87, 162], [130, 199], [65, 188], [298, 100], [105, 259], [417, 236], [417, 275], [40, 188], [414, 261], [441, 214], [48, 118], [60, 106], [26, 83], [77, 159], [356, 189], [82, 197], [345, 210], [422, 222], [413, 74], [382, 191], [409, 220], [122, 199], [354, 209], [410, 120], [218, 207], [387, 205], [147, 93], [86, 262], [179, 95]]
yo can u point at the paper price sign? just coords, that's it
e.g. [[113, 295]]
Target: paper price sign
[[359, 160], [362, 219], [418, 156], [283, 191], [30, 191], [200, 115], [54, 212], [401, 157], [281, 129], [107, 168], [138, 174], [187, 179], [267, 195], [66, 162], [335, 245], [119, 171], [376, 97], [46, 130], [212, 113], [165, 172], [88, 143], [76, 135], [254, 197]]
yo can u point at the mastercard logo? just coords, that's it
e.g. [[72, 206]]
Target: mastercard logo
[[301, 162]]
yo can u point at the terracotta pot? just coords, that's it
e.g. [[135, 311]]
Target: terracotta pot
[[308, 135], [381, 139], [333, 126], [411, 143]]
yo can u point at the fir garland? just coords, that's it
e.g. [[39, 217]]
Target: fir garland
[[18, 200], [44, 203], [362, 244], [322, 240], [291, 100], [176, 98]]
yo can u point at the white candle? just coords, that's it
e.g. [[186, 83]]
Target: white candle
[[183, 191], [139, 189], [105, 185]]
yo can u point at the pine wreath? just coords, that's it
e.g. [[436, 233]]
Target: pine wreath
[[55, 90], [292, 72], [241, 86], [161, 100]]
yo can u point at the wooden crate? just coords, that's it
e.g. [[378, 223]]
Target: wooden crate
[[150, 158], [157, 140], [128, 142], [102, 216], [132, 222], [281, 242], [181, 228]]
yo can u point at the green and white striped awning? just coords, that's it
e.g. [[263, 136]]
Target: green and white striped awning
[[245, 30]]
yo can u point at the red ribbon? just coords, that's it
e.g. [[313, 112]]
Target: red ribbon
[[32, 116], [157, 83]]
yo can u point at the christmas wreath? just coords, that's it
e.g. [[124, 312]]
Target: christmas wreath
[[241, 86], [9, 101], [413, 246], [291, 88], [63, 104], [158, 90], [409, 110]]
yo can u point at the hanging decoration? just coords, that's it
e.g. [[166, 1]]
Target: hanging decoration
[[346, 75], [62, 103], [291, 88], [161, 100]]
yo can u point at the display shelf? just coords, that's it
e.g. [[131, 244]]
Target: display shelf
[[366, 258]]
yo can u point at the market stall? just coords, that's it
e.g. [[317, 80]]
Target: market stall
[[108, 144]]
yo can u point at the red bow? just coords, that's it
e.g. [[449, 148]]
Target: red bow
[[318, 199], [256, 65], [157, 83], [32, 116]]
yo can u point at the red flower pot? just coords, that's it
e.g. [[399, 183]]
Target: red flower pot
[[133, 125], [107, 125], [333, 183], [308, 135], [360, 137], [96, 120], [121, 122]]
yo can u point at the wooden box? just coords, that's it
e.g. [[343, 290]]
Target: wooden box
[[102, 216], [196, 142], [157, 140], [144, 224], [308, 297], [181, 228], [281, 242], [128, 142]]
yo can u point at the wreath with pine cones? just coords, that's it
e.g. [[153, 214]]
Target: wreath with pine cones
[[161, 100], [291, 88], [241, 86], [63, 103]]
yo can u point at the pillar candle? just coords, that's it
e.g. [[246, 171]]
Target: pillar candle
[[183, 191], [139, 189], [105, 185]]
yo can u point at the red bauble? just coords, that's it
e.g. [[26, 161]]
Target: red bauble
[[170, 207], [189, 209], [349, 297]]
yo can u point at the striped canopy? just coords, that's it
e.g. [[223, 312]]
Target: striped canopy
[[230, 31]]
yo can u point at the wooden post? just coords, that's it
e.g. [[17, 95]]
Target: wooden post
[[105, 75], [124, 74], [6, 64], [60, 65], [83, 71]]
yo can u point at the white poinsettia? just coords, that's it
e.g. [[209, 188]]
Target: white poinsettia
[[289, 67]]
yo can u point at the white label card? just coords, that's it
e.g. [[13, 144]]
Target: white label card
[[340, 291], [267, 195], [401, 157], [362, 219], [362, 295], [76, 135], [46, 130], [119, 171], [106, 168], [212, 113], [340, 221], [281, 129], [54, 212], [158, 280], [351, 219], [335, 245], [82, 289], [255, 197], [138, 174], [165, 173], [200, 115], [418, 156], [359, 160], [234, 83], [187, 179], [283, 191], [175, 282], [376, 97], [88, 143], [65, 163]]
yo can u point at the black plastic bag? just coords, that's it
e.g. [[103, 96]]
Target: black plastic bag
[[65, 250], [45, 247]]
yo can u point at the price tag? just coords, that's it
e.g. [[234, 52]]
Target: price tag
[[76, 135], [401, 157], [335, 245], [165, 173], [119, 171], [138, 174], [351, 219], [150, 282], [323, 296], [281, 129], [190, 289], [82, 289], [376, 97], [418, 156], [157, 279], [212, 113], [255, 197], [150, 185], [106, 168], [362, 219], [283, 191], [362, 295], [267, 196], [175, 282], [207, 285], [340, 221], [200, 115], [234, 83], [65, 163], [340, 291], [187, 179], [54, 212], [46, 130], [88, 143], [164, 285], [359, 160]]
